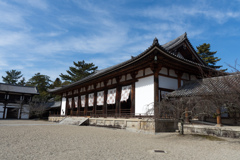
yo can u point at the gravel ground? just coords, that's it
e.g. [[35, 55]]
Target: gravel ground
[[26, 139]]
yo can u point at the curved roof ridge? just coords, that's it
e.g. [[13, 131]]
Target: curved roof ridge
[[175, 42]]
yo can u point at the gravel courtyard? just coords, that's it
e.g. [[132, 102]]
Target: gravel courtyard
[[28, 139]]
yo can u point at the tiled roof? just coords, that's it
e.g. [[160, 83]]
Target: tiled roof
[[18, 89], [222, 84], [155, 43], [170, 45]]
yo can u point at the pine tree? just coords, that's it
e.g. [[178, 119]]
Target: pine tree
[[79, 71], [42, 82], [22, 82], [208, 56], [12, 77]]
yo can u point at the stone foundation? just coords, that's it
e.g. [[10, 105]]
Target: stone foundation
[[138, 125], [224, 131], [55, 119]]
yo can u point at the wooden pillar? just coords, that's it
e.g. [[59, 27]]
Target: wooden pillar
[[67, 104], [133, 93], [118, 91], [105, 99], [94, 103], [21, 106], [78, 105], [72, 107], [86, 105], [156, 68], [219, 123], [6, 98], [186, 115], [179, 74]]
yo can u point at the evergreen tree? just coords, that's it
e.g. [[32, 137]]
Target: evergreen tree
[[79, 71], [56, 83], [12, 77], [208, 56], [42, 82], [22, 82]]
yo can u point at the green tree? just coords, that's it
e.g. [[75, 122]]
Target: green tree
[[208, 56], [79, 71], [12, 76], [22, 82], [56, 83], [42, 82]]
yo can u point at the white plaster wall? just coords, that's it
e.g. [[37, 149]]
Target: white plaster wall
[[114, 81], [144, 94], [25, 112], [122, 79], [148, 71], [193, 77], [168, 83], [185, 76], [109, 82], [164, 71], [1, 110], [172, 73], [129, 76], [98, 85], [63, 106], [140, 73], [102, 84]]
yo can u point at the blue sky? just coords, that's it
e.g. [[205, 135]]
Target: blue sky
[[46, 36]]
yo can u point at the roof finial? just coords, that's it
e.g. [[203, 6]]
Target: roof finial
[[155, 41]]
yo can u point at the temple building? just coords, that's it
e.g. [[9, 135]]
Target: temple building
[[134, 86], [14, 101]]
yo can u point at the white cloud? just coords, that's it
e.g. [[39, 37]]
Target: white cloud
[[181, 13], [39, 4], [12, 17]]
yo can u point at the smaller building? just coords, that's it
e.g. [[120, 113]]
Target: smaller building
[[14, 101], [220, 94]]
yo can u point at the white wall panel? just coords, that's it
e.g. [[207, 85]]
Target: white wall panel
[[25, 112], [144, 94], [185, 76], [1, 107], [140, 73], [172, 73], [63, 106], [193, 77], [148, 71], [1, 111], [24, 115], [164, 71], [123, 78], [129, 76], [169, 83]]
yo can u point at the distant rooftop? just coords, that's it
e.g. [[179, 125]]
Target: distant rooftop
[[222, 84], [18, 89]]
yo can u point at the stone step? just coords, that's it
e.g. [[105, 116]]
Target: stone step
[[74, 121]]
